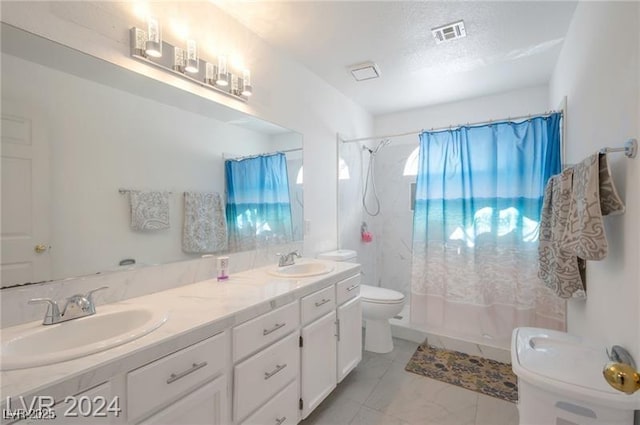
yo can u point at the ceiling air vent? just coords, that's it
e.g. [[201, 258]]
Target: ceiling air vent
[[449, 32], [365, 71]]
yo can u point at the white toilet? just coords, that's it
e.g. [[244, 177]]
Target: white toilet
[[378, 306]]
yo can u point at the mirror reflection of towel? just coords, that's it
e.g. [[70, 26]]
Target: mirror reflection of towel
[[149, 210], [205, 224]]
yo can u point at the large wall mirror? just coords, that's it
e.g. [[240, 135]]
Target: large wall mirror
[[76, 130]]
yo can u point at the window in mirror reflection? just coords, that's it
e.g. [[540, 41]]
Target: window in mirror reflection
[[258, 203]]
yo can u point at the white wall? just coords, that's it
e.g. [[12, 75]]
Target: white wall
[[598, 72], [285, 92], [387, 261], [102, 139]]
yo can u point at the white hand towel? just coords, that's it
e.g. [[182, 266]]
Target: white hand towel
[[205, 223], [149, 210]]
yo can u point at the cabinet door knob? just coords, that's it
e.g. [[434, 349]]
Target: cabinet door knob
[[40, 248]]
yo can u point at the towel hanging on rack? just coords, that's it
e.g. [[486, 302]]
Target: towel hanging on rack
[[205, 223], [149, 210], [593, 196], [559, 268], [572, 226]]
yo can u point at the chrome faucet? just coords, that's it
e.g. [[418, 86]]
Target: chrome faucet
[[288, 259], [77, 306]]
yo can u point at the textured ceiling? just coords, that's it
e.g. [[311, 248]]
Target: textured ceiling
[[508, 45]]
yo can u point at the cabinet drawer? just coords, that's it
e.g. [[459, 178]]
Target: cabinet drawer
[[317, 304], [263, 330], [280, 410], [348, 289], [206, 405], [169, 377], [261, 376]]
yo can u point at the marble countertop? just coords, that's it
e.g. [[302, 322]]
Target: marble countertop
[[196, 311]]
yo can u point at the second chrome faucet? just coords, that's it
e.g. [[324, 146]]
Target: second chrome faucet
[[288, 259]]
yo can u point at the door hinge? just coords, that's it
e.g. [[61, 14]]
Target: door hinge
[[300, 342], [300, 404], [338, 329]]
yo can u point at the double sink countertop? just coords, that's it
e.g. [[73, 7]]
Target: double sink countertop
[[195, 312]]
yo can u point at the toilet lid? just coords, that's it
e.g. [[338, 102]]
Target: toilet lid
[[380, 295]]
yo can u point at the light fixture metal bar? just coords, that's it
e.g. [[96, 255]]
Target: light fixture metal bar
[[166, 64]]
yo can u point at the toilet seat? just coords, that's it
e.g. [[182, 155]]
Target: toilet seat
[[375, 295]]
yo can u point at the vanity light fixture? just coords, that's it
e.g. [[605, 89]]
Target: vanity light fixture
[[153, 44], [247, 90], [147, 46], [191, 63], [222, 79]]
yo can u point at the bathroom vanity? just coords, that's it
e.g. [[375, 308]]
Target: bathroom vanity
[[257, 349]]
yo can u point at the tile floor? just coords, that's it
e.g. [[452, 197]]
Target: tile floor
[[380, 392]]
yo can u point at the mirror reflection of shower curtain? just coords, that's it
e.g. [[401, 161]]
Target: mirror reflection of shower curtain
[[476, 222], [258, 203]]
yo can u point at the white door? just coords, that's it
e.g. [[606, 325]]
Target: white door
[[318, 362], [349, 337], [206, 405], [24, 228]]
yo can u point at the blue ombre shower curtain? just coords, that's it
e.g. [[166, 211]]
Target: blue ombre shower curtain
[[258, 205], [475, 229]]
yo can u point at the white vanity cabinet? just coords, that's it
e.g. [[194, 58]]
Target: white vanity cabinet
[[267, 367], [273, 369], [331, 344], [318, 348], [349, 325], [188, 386]]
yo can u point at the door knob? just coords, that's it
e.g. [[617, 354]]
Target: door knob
[[40, 248], [622, 377]]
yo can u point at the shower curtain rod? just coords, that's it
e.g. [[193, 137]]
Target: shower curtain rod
[[238, 158], [451, 127]]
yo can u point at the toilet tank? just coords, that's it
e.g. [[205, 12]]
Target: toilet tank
[[345, 255]]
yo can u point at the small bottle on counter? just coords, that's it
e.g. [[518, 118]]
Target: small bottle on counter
[[222, 265]]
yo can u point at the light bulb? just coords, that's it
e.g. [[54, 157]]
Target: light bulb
[[153, 45], [247, 89], [222, 79], [191, 64]]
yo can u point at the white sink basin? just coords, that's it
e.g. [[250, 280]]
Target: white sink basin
[[302, 270], [34, 344]]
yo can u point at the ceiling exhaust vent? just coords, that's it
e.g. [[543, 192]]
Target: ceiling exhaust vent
[[449, 32], [365, 71]]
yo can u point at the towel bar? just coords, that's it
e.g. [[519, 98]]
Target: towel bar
[[630, 149], [123, 191]]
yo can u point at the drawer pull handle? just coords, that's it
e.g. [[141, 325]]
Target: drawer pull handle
[[279, 421], [324, 301], [278, 368], [266, 332], [352, 287], [175, 376]]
